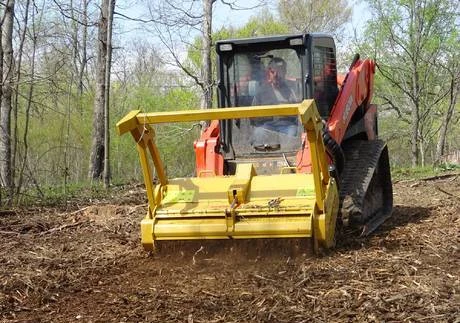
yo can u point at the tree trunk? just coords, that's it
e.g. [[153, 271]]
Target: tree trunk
[[415, 86], [107, 95], [83, 59], [422, 149], [454, 89], [414, 136], [6, 179], [28, 108], [206, 64], [15, 135], [97, 149]]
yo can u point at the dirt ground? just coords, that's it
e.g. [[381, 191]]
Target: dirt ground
[[85, 263]]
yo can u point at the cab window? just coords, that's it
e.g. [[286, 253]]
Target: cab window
[[324, 79]]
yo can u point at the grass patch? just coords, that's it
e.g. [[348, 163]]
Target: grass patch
[[404, 173], [58, 195]]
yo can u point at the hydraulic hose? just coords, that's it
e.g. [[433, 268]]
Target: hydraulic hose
[[334, 150]]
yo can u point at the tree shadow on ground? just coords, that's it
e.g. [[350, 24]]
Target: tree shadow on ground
[[402, 216]]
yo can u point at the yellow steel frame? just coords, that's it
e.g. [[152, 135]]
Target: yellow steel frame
[[138, 124]]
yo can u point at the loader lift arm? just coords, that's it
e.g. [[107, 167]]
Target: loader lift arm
[[355, 92]]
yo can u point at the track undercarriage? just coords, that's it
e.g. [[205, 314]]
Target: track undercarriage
[[366, 195]]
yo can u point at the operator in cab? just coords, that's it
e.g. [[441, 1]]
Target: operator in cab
[[275, 89]]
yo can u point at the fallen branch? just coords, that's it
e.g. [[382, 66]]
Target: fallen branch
[[209, 293], [262, 277], [447, 193], [198, 251], [439, 177], [75, 212], [65, 226], [9, 232]]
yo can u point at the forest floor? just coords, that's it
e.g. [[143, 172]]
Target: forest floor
[[84, 263]]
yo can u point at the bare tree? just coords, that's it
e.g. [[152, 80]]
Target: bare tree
[[177, 23], [77, 15], [108, 62], [28, 107], [84, 53], [98, 137], [453, 92], [6, 179], [15, 136], [206, 63]]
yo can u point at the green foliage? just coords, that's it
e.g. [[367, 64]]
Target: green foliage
[[315, 15], [53, 122], [175, 141], [60, 131], [406, 173], [415, 45], [59, 128], [395, 132], [446, 167], [57, 195], [263, 24]]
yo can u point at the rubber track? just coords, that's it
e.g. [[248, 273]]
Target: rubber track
[[362, 157]]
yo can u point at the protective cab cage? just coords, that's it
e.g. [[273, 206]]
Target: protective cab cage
[[316, 54]]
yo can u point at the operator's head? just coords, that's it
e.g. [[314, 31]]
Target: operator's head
[[276, 71]]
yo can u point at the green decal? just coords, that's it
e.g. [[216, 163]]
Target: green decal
[[179, 196], [305, 191]]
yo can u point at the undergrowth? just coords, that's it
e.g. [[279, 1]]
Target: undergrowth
[[404, 173], [73, 193]]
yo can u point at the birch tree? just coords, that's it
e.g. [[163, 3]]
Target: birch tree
[[176, 23]]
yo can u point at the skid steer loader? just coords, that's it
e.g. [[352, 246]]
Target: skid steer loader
[[291, 151]]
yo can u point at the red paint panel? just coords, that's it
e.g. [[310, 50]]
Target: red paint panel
[[208, 161]]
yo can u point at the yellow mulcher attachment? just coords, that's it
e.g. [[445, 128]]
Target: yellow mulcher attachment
[[241, 206]]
